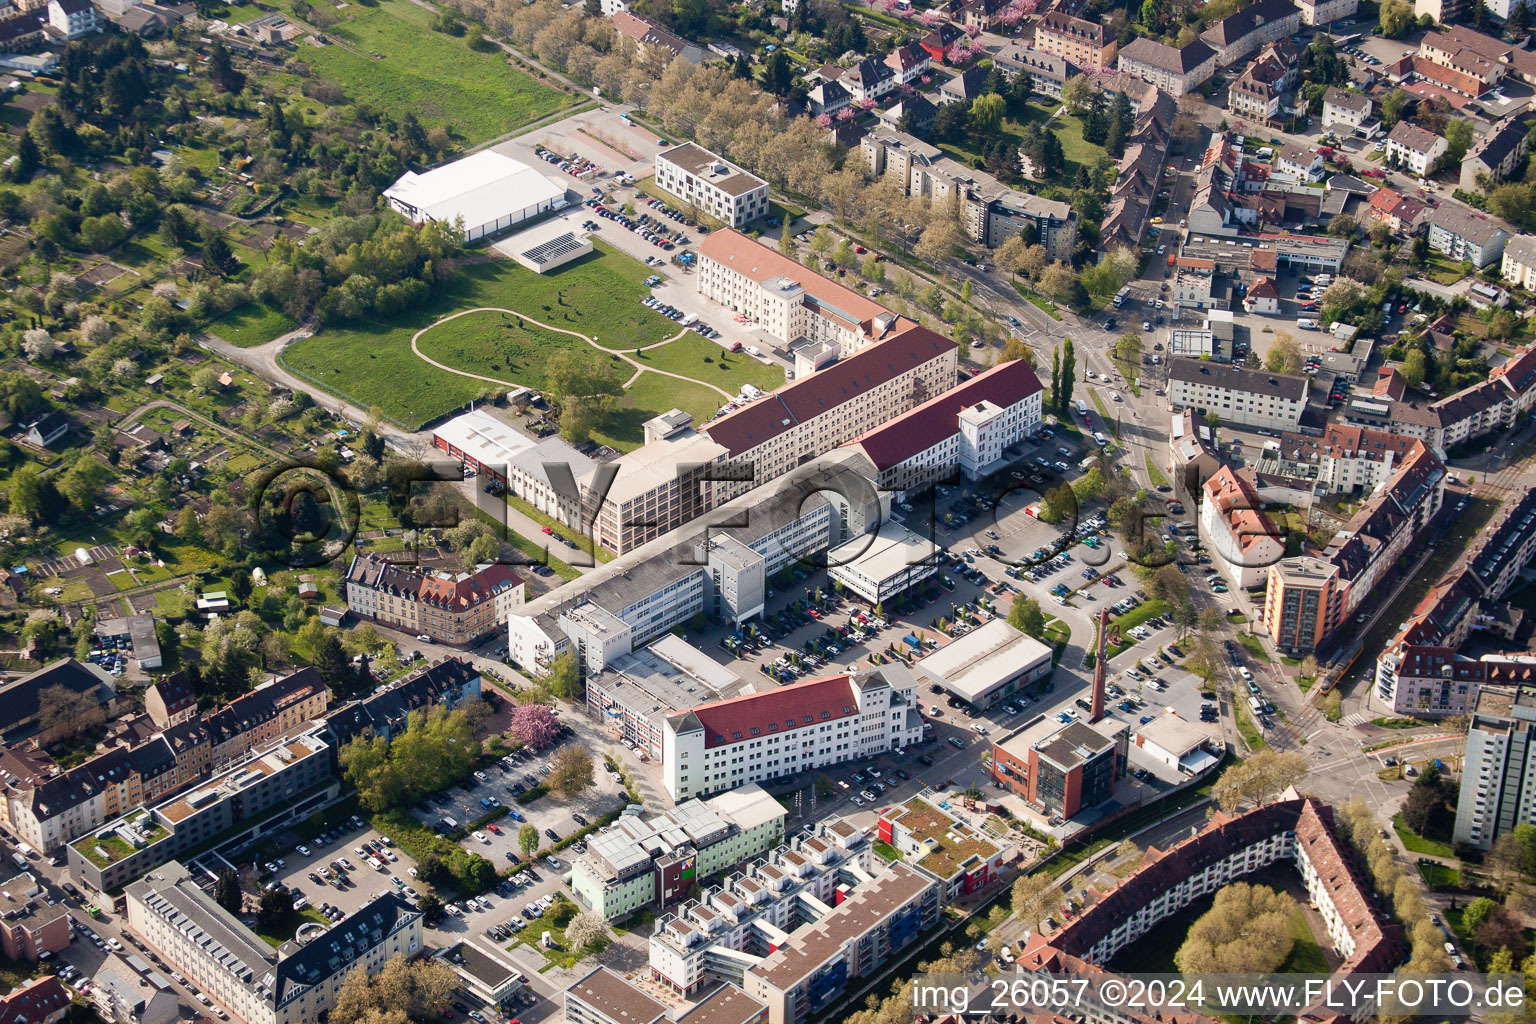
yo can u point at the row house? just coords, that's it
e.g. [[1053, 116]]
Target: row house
[[1139, 174]]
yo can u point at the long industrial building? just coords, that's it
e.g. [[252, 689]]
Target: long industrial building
[[487, 191]]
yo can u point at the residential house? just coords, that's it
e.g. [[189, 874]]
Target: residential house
[[700, 180], [1519, 264], [908, 63], [1413, 148], [1262, 297], [1257, 92], [649, 36], [1232, 523], [46, 428], [71, 19], [1298, 164], [42, 1000], [964, 87], [1047, 71], [914, 111], [171, 701], [1237, 35], [20, 33], [449, 683], [869, 79], [1236, 394], [1468, 52], [1138, 175], [981, 15], [1351, 109], [1495, 156], [123, 995], [937, 42], [1175, 70], [827, 98], [1402, 214], [1087, 44], [1463, 234]]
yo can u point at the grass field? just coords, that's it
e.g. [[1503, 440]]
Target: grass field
[[371, 364], [1415, 843], [251, 324], [695, 356], [1306, 955], [388, 56], [651, 395], [1077, 151]]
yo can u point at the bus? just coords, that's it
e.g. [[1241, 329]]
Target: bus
[[1121, 296]]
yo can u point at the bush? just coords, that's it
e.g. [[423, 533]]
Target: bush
[[530, 795]]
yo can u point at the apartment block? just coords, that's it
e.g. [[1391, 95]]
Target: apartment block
[[1495, 155], [1174, 69], [240, 972], [653, 863], [1462, 234], [1237, 395], [270, 791], [796, 728], [1498, 776], [713, 186], [1304, 604], [448, 683], [1061, 770], [1087, 44], [33, 925], [1237, 35], [1413, 148], [1232, 523], [1518, 266], [1350, 109], [450, 607], [1324, 12]]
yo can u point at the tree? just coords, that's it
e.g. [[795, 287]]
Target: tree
[[227, 891], [1396, 18], [1248, 929], [1395, 102], [1169, 584], [276, 905], [1075, 93], [528, 840], [82, 484], [64, 712], [404, 990], [587, 930], [535, 725], [431, 907], [1284, 355], [1414, 368], [1056, 402], [1025, 616], [986, 115], [572, 772], [221, 71], [1458, 137], [1014, 349], [1033, 897], [1502, 930], [37, 344], [1476, 912], [778, 76], [483, 549], [1128, 348], [938, 241], [218, 257], [1068, 374], [563, 677]]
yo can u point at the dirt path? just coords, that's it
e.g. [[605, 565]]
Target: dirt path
[[639, 369]]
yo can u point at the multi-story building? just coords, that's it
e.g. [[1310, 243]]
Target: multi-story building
[[1174, 69], [1352, 461], [793, 729], [1323, 12], [1304, 603], [716, 188], [1236, 394], [869, 79], [641, 864], [124, 995], [449, 683], [1290, 831], [244, 975], [1048, 71], [651, 37], [1237, 35], [71, 19], [1498, 777], [1413, 148], [632, 696], [1401, 213], [1298, 164], [1257, 92], [21, 708], [1518, 266], [1246, 542], [1350, 109], [954, 853], [908, 63], [816, 413], [452, 607], [33, 925], [266, 793], [1495, 155], [673, 478], [718, 566], [171, 700], [1062, 770], [965, 429], [1087, 44], [1308, 599], [603, 997], [1468, 52], [1462, 234]]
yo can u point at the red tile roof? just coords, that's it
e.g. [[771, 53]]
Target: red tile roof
[[824, 390], [922, 428], [758, 262], [799, 706]]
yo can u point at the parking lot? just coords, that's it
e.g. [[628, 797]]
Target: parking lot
[[549, 814]]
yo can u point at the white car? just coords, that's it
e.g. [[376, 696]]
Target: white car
[[483, 838], [423, 638]]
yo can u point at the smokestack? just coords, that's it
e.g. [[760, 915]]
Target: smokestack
[[1100, 669]]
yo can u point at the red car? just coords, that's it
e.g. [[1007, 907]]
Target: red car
[[547, 530]]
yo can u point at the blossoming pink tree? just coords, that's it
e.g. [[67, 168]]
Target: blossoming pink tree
[[824, 120], [867, 103], [929, 19], [846, 114], [973, 31]]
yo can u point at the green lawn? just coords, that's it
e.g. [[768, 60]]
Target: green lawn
[[252, 324], [1253, 646], [1156, 475], [1416, 843], [387, 55], [1306, 955], [1077, 151], [371, 363], [650, 396], [1245, 727], [695, 356]]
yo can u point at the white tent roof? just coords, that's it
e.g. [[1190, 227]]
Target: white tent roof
[[481, 188]]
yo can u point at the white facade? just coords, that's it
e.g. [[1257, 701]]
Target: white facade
[[1346, 108], [879, 566], [1498, 780], [73, 18], [708, 183], [852, 717], [1519, 262], [1322, 12], [1413, 148], [487, 191], [1246, 543], [1236, 395]]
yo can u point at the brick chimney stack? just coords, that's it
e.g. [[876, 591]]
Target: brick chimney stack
[[1100, 669]]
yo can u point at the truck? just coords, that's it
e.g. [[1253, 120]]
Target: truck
[[1121, 296]]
